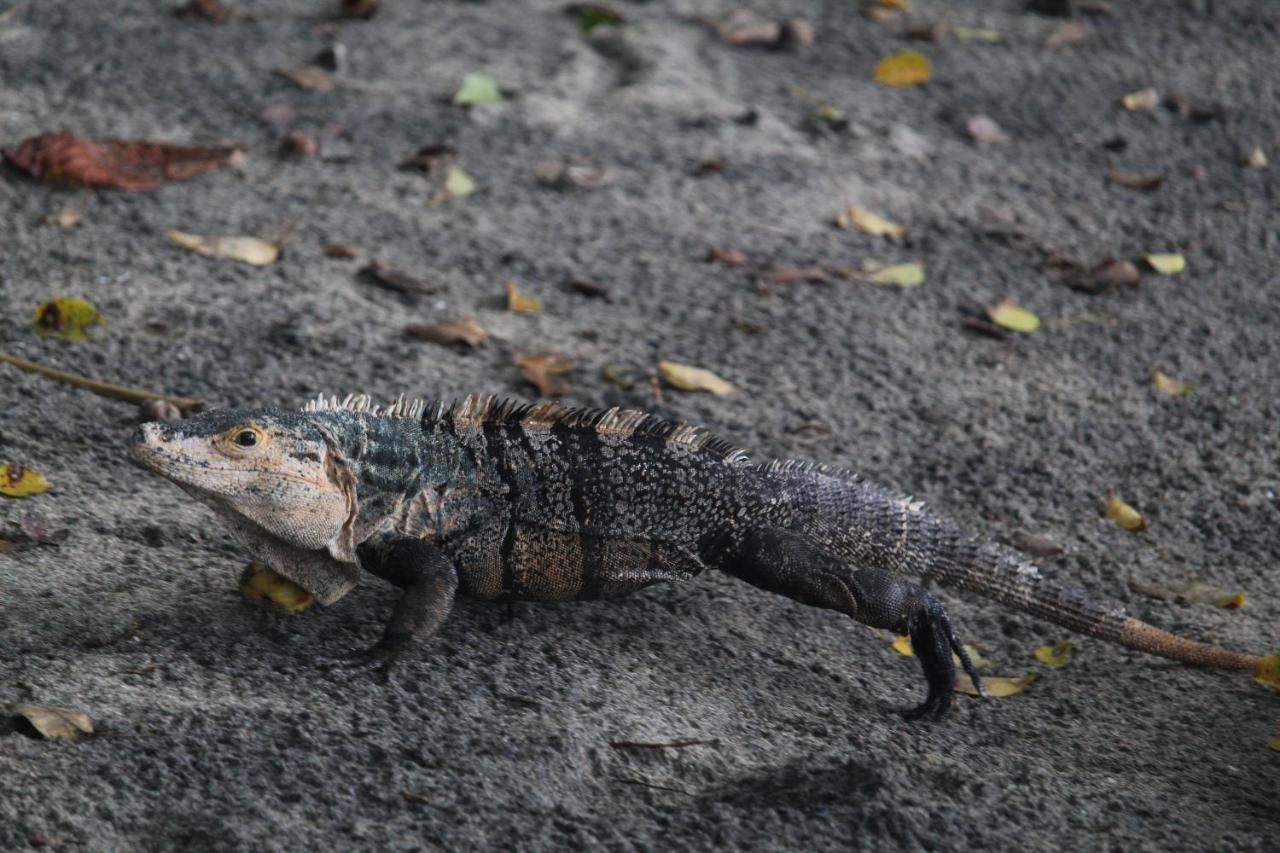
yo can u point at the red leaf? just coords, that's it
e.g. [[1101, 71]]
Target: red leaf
[[113, 163]]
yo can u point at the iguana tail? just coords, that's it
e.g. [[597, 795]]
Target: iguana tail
[[1005, 576]]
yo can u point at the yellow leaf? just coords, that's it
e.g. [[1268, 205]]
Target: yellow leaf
[[902, 645], [898, 275], [1124, 515], [259, 582], [864, 220], [976, 34], [1267, 672], [978, 661], [995, 685], [55, 722], [1199, 592], [1166, 384], [66, 317], [1167, 264], [688, 378], [1013, 317], [1145, 99], [250, 250], [521, 303], [19, 481], [1274, 743], [1055, 654], [904, 68], [458, 183]]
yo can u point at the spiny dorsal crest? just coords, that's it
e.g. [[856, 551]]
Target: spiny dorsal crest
[[401, 407]]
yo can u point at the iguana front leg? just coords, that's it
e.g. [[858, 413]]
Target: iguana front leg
[[787, 563], [429, 580]]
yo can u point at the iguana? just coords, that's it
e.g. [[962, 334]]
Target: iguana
[[497, 499]]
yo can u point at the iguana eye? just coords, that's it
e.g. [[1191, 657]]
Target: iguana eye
[[245, 438]]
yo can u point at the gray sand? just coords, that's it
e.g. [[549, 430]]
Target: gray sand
[[217, 731]]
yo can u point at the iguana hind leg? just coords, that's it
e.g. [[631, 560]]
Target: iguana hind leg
[[786, 563], [429, 580]]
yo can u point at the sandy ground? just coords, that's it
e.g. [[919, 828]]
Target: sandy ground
[[217, 732]]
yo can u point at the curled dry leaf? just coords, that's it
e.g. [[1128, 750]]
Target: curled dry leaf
[[309, 77], [340, 250], [249, 250], [521, 303], [782, 274], [1142, 100], [381, 275], [1267, 672], [1007, 315], [998, 686], [1054, 654], [728, 257], [66, 217], [1067, 34], [1135, 180], [1199, 592], [1166, 264], [904, 68], [984, 130], [1124, 515], [897, 275], [1108, 274], [259, 581], [1256, 158], [541, 370], [687, 378], [66, 317], [864, 220], [48, 722], [1166, 384], [477, 89], [467, 332], [113, 163], [19, 481], [1035, 545]]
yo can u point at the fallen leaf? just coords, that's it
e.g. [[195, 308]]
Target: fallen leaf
[[927, 31], [521, 303], [1108, 274], [65, 218], [975, 658], [904, 68], [1274, 743], [1267, 672], [782, 274], [1199, 592], [308, 77], [431, 158], [589, 289], [46, 722], [1007, 315], [1035, 545], [477, 89], [1067, 34], [365, 9], [592, 15], [997, 686], [612, 375], [467, 332], [728, 257], [687, 378], [1196, 111], [864, 220], [977, 34], [113, 163], [1055, 654], [259, 581], [19, 481], [1256, 159], [1166, 264], [984, 130], [457, 183], [299, 145], [898, 275], [249, 250], [378, 273], [1166, 384], [210, 10], [743, 27], [902, 645], [561, 175], [540, 371], [1124, 515], [66, 317], [340, 250], [1135, 180], [1142, 100]]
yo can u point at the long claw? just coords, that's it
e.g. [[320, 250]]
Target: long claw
[[380, 659]]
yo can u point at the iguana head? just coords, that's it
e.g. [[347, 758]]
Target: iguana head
[[281, 472]]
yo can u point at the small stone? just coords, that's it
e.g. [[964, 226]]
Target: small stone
[[159, 410]]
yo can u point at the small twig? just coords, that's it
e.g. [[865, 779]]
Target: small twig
[[97, 386], [675, 744], [644, 784]]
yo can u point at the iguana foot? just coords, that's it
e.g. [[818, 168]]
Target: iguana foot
[[381, 659], [934, 640]]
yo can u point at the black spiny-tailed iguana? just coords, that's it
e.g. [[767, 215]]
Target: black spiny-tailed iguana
[[497, 499]]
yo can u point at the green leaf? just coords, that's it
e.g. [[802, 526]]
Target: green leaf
[[477, 89]]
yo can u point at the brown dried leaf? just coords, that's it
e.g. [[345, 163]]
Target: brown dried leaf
[[1067, 34], [381, 275], [521, 303], [1198, 592], [743, 27], [1035, 545], [782, 274], [365, 9], [431, 159], [1135, 180], [467, 332], [1123, 514], [114, 163], [540, 371], [47, 722], [341, 250], [1108, 274], [308, 77], [299, 145], [728, 257]]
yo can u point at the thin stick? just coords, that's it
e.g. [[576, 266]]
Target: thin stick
[[97, 386], [675, 744]]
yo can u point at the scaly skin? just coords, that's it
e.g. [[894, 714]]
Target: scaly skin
[[495, 499]]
